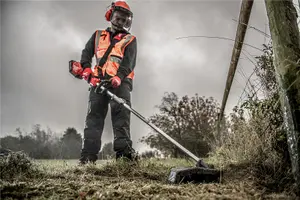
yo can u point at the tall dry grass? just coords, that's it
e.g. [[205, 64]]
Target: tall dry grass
[[253, 145]]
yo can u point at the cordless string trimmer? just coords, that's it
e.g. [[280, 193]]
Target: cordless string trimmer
[[200, 173]]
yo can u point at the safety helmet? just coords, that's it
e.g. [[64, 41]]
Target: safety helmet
[[120, 5]]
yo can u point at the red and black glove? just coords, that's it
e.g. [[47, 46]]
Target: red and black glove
[[115, 81], [75, 69], [94, 81], [87, 75]]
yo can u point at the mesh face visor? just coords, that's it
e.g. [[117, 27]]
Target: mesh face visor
[[121, 18]]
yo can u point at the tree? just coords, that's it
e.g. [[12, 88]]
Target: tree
[[150, 154], [42, 144], [10, 142], [71, 144], [284, 30], [31, 146], [190, 121], [37, 144]]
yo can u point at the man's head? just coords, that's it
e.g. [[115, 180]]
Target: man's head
[[120, 16]]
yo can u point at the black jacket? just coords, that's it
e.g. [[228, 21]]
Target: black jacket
[[128, 62]]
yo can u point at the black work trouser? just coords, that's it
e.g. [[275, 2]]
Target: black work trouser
[[94, 123]]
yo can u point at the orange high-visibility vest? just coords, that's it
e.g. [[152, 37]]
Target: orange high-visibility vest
[[114, 59]]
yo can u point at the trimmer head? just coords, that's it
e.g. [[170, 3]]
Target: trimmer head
[[194, 175]]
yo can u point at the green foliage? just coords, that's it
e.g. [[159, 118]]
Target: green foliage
[[37, 143], [257, 137], [266, 71], [42, 144], [269, 108], [190, 121]]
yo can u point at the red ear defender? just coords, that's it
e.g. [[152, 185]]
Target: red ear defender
[[109, 12]]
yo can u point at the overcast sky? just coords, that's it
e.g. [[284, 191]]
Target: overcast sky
[[38, 38]]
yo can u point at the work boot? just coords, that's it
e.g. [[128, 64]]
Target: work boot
[[87, 159], [130, 156], [125, 156]]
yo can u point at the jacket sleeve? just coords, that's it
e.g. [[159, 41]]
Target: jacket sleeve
[[88, 52], [129, 60]]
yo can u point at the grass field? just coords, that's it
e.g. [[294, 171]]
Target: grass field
[[63, 179]]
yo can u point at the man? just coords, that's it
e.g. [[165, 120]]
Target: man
[[115, 50]]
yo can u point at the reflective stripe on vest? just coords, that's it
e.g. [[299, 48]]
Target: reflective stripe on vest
[[111, 66]]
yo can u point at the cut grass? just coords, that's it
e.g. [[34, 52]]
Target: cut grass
[[58, 179]]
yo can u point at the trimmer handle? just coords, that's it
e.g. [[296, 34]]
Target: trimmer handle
[[103, 86]]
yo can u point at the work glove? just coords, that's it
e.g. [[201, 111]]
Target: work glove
[[86, 74], [115, 81], [94, 81], [75, 69]]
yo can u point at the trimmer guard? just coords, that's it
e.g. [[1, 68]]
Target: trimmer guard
[[194, 175]]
